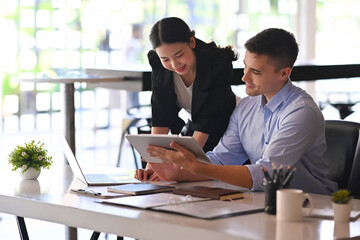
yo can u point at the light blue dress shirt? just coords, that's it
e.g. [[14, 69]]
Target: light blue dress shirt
[[288, 130]]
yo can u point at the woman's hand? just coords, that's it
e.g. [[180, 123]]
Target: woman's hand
[[146, 175]]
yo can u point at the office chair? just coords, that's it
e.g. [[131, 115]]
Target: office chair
[[342, 154], [354, 182], [134, 116]]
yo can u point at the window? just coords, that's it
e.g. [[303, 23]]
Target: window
[[47, 38]]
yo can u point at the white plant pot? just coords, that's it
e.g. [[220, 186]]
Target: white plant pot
[[341, 212], [30, 174]]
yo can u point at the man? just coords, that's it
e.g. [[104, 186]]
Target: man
[[277, 123]]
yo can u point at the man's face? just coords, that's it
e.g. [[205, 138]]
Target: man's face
[[260, 76], [178, 57]]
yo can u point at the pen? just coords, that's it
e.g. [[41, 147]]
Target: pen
[[275, 174], [267, 176], [90, 192], [281, 175], [288, 178], [287, 171]]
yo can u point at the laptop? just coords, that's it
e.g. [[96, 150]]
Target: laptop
[[98, 179]]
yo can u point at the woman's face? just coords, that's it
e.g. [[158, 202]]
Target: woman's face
[[178, 57]]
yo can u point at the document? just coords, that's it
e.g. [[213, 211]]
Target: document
[[203, 208], [151, 200], [212, 209]]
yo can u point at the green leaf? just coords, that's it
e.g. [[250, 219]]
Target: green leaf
[[31, 155], [341, 196]]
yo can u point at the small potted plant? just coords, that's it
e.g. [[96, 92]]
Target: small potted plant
[[341, 205], [29, 159]]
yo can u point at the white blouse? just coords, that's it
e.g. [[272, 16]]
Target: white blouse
[[183, 93]]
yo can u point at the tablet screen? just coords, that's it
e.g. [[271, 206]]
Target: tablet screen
[[142, 141]]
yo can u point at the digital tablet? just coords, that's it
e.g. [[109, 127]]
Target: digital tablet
[[142, 141]]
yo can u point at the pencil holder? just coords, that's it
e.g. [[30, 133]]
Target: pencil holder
[[280, 179], [270, 198]]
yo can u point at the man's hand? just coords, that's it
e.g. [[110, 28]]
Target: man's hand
[[181, 157]]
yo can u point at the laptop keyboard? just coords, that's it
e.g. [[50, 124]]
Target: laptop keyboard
[[99, 178]]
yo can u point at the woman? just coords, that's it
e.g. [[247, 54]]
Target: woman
[[188, 74]]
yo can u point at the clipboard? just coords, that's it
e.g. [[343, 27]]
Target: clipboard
[[142, 141], [203, 208]]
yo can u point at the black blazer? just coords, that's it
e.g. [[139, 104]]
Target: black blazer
[[212, 102]]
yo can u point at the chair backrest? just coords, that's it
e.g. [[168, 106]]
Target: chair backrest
[[354, 182], [342, 139]]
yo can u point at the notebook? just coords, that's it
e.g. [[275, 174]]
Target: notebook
[[142, 141], [209, 192], [140, 188], [98, 179]]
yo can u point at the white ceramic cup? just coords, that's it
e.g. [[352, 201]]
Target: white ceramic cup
[[289, 204]]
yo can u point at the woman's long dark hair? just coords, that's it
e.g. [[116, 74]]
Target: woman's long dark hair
[[172, 30]]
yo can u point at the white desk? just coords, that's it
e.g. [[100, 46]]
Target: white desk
[[69, 97], [49, 199]]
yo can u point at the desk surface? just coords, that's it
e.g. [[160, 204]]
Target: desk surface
[[300, 72], [123, 80], [88, 79], [49, 199], [139, 78]]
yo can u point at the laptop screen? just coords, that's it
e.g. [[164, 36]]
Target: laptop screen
[[74, 164]]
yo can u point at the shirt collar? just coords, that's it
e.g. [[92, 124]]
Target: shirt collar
[[279, 97]]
